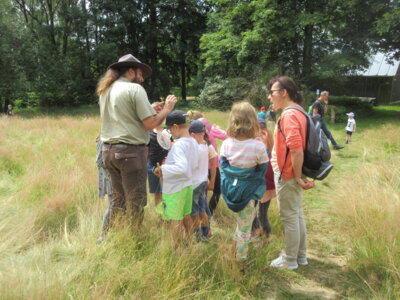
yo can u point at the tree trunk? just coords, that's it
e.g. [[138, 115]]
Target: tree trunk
[[153, 55], [307, 50], [183, 75], [308, 42]]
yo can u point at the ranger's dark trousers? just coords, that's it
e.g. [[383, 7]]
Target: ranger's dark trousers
[[127, 166]]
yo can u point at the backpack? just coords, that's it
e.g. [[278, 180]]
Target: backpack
[[316, 163], [310, 109]]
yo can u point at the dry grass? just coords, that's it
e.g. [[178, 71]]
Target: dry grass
[[50, 217], [369, 204]]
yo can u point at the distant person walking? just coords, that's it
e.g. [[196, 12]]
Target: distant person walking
[[9, 112], [320, 107], [126, 118], [351, 127], [287, 161]]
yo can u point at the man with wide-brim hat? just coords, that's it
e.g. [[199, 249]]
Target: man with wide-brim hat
[[129, 60], [126, 118]]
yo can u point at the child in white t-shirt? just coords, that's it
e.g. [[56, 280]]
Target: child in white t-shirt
[[351, 127], [177, 173], [207, 155]]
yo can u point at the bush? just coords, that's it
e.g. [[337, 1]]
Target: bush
[[345, 104], [219, 93], [19, 103], [352, 103]]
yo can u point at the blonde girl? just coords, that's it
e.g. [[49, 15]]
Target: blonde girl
[[243, 165]]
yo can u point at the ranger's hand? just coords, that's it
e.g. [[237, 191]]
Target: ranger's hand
[[170, 102]]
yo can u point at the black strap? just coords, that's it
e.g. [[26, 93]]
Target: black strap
[[287, 148]]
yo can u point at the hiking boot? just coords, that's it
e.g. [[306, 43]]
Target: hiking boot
[[281, 263], [302, 261], [338, 147]]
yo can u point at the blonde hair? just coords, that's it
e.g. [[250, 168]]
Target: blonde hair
[[194, 115], [243, 121], [109, 77]]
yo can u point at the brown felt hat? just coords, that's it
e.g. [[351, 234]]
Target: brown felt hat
[[129, 60]]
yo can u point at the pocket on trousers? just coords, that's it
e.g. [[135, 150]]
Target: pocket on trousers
[[131, 162], [125, 155]]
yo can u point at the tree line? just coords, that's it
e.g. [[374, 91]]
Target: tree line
[[52, 52]]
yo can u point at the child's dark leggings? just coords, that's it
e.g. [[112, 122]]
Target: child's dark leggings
[[261, 220], [212, 205]]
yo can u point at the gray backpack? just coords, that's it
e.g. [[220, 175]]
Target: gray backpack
[[316, 163]]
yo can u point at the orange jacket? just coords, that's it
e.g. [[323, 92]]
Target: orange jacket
[[294, 125]]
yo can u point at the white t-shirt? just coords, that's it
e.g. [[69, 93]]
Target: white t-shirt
[[206, 152], [244, 154], [351, 123], [180, 165]]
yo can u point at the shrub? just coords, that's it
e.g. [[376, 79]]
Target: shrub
[[220, 93], [352, 103]]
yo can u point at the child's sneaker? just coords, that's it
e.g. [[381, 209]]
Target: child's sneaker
[[281, 263], [302, 261]]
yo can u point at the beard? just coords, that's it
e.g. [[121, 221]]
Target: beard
[[135, 80]]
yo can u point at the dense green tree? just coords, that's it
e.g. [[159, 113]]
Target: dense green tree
[[388, 29], [55, 50], [15, 56], [306, 38]]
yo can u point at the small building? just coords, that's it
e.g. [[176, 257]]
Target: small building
[[381, 81]]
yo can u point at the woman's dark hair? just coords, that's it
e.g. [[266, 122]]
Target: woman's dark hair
[[289, 85], [207, 139]]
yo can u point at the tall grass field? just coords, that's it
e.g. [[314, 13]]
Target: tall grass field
[[50, 217]]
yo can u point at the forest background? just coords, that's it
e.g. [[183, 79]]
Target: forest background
[[52, 52]]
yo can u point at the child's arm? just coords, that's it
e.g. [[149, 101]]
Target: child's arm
[[218, 133], [354, 130]]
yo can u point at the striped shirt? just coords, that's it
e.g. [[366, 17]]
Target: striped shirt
[[244, 154]]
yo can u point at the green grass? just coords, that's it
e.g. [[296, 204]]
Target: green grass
[[50, 217]]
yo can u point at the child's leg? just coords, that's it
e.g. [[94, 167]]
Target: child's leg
[[157, 198], [255, 227], [188, 224], [195, 222], [244, 221], [205, 226], [204, 219], [216, 193], [263, 215], [177, 232]]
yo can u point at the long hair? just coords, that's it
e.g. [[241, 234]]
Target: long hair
[[289, 85], [109, 77], [270, 139], [243, 121]]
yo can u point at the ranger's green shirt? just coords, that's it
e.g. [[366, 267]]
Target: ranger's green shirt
[[122, 109]]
